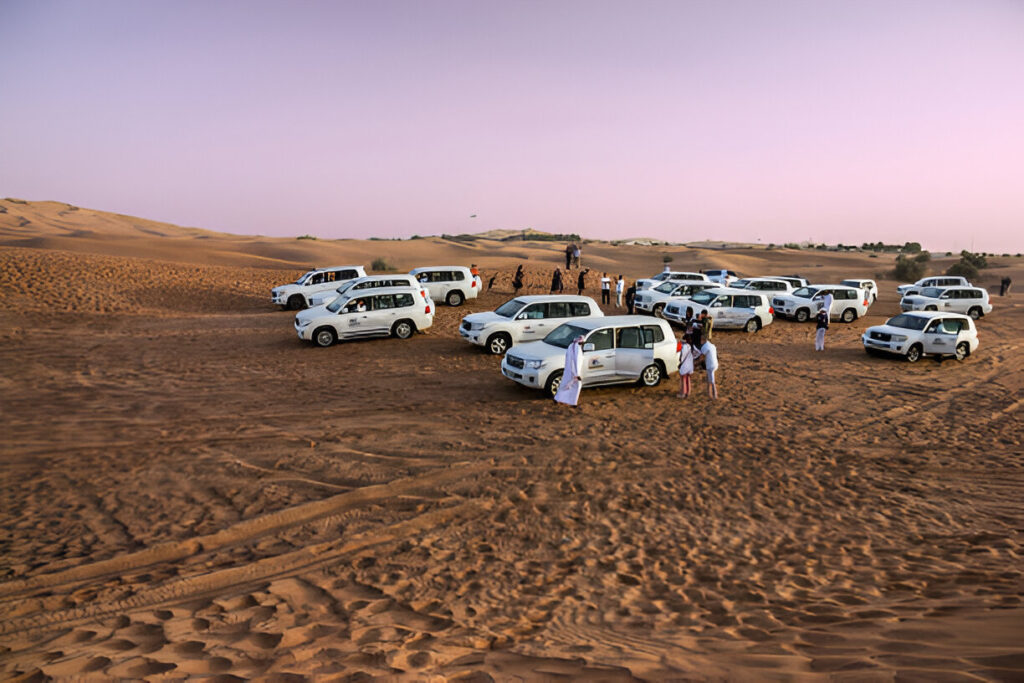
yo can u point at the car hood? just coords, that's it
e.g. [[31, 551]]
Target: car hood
[[309, 314], [537, 350], [285, 288], [486, 317], [889, 329]]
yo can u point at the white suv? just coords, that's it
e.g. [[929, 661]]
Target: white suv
[[869, 286], [616, 349], [391, 311], [450, 284], [972, 301], [650, 282], [925, 332], [771, 285], [523, 319], [655, 300], [723, 277], [848, 303], [297, 295], [735, 308], [935, 281], [369, 282], [795, 280]]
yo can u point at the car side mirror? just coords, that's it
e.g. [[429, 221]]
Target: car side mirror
[[521, 316], [589, 346], [649, 345]]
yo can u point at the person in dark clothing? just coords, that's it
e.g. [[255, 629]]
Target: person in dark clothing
[[697, 333], [819, 333], [1004, 286], [556, 282], [581, 281], [568, 256], [630, 297], [517, 281], [490, 283]]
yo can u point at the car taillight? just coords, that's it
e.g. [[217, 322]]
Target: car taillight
[[865, 302], [472, 284], [771, 310], [427, 310]]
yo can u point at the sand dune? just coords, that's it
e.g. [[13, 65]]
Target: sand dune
[[190, 491]]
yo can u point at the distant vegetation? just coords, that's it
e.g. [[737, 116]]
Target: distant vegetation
[[305, 237], [381, 264], [905, 248], [666, 258], [911, 269], [535, 236], [968, 265]]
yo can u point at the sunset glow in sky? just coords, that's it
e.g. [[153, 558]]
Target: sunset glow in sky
[[848, 122]]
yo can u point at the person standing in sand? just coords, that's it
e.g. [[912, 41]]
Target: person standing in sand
[[686, 352], [568, 256], [620, 286], [706, 324], [576, 255], [827, 305], [517, 281], [819, 333], [630, 298], [581, 281], [556, 282], [571, 384], [606, 289], [710, 354]]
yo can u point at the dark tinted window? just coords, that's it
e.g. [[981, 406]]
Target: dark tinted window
[[580, 308], [629, 338], [383, 301], [601, 339], [653, 334], [533, 312], [558, 309], [723, 300], [402, 300], [457, 275]]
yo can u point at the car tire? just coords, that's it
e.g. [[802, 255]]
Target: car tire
[[931, 308], [753, 325], [403, 329], [659, 311], [454, 298], [963, 349], [975, 312], [803, 315], [914, 353], [651, 375], [498, 344], [552, 384], [324, 337], [296, 302], [849, 315]]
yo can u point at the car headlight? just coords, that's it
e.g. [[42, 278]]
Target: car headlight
[[534, 364], [300, 324], [898, 337]]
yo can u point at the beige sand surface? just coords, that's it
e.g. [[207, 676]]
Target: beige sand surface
[[189, 490]]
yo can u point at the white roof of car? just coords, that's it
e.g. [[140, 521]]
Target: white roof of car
[[614, 320], [425, 268], [374, 291], [317, 270], [734, 290], [934, 314], [539, 298]]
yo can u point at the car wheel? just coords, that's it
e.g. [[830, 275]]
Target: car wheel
[[962, 350], [753, 325], [324, 336], [498, 343], [849, 315], [975, 312], [403, 329], [802, 315], [931, 308], [296, 302], [554, 381], [651, 375], [659, 311], [455, 298], [914, 353]]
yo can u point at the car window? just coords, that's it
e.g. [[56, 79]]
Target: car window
[[402, 300], [558, 309], [316, 279], [457, 275], [580, 308], [383, 301], [629, 338], [601, 339], [952, 326], [653, 334], [533, 312]]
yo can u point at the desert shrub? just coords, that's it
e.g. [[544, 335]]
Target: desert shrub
[[380, 263], [791, 245], [923, 257], [872, 255], [305, 237], [963, 268], [666, 258], [908, 270], [949, 253], [911, 248], [977, 260]]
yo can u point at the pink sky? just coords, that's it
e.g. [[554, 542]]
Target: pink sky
[[775, 121]]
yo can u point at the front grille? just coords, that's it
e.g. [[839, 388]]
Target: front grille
[[466, 326], [881, 336], [516, 362]]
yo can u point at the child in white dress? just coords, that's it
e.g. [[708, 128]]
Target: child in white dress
[[686, 352]]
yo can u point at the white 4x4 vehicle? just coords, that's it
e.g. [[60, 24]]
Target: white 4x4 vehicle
[[935, 281], [392, 311], [616, 350], [795, 280], [654, 300], [723, 277], [869, 286], [735, 308], [369, 282], [450, 284], [970, 300], [771, 285], [523, 319], [848, 303], [297, 295], [925, 332], [668, 276]]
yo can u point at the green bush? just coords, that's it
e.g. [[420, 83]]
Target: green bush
[[964, 269], [908, 270], [305, 237], [976, 260], [923, 257], [666, 258], [380, 264]]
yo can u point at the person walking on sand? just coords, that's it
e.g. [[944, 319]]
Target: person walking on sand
[[556, 282], [827, 304], [606, 289], [706, 324], [581, 281], [1004, 286], [517, 281], [819, 333], [630, 298], [576, 255], [686, 352], [710, 354], [620, 286], [569, 388], [568, 256]]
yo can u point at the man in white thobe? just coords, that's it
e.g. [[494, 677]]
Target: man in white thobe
[[569, 389]]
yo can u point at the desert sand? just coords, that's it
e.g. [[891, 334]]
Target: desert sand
[[189, 490]]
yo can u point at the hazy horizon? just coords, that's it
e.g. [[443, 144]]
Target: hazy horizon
[[829, 122]]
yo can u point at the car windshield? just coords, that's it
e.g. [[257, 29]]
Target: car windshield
[[660, 276], [908, 322], [851, 283], [805, 292], [509, 308], [563, 335], [665, 288], [741, 284], [347, 286], [336, 305], [305, 275], [932, 292], [703, 298]]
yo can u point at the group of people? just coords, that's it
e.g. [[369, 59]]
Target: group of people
[[572, 255]]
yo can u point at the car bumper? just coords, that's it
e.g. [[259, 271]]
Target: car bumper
[[646, 306], [525, 376], [472, 336], [887, 346]]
